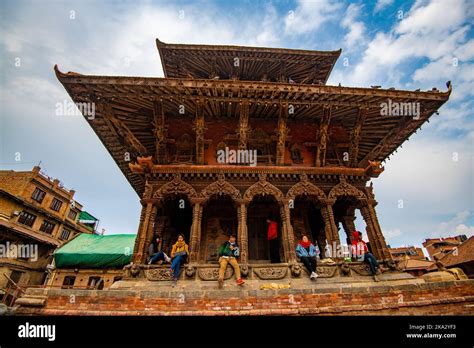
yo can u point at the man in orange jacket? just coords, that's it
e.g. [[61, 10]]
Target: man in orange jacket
[[272, 236]]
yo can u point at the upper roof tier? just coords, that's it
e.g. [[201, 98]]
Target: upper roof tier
[[246, 63]]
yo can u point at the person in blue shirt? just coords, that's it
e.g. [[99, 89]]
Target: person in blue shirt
[[307, 253]]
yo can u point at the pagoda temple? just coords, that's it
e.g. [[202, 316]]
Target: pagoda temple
[[317, 148]]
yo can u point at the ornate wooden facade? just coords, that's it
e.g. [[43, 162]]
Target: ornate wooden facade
[[317, 147]]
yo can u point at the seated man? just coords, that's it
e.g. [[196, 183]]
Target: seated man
[[361, 252], [229, 252], [155, 253], [307, 252]]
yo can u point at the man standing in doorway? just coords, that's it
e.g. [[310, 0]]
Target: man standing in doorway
[[272, 235]]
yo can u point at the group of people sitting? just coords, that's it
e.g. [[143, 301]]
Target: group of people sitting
[[229, 253]]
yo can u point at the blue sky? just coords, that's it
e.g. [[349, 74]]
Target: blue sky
[[427, 187]]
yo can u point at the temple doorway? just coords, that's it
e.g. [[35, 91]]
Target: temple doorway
[[176, 218], [306, 218], [219, 220], [259, 210]]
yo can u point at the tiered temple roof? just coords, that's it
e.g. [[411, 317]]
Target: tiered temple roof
[[246, 63], [202, 79]]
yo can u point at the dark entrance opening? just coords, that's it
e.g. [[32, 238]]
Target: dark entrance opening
[[219, 220], [176, 218], [259, 210], [306, 218]]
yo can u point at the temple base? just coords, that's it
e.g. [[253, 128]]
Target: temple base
[[394, 295]]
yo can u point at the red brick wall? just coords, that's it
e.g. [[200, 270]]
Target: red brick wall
[[454, 298]]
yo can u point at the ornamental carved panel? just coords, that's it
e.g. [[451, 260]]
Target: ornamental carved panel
[[346, 189], [155, 274], [263, 187], [220, 187], [362, 269], [326, 271], [268, 273], [213, 273], [305, 188], [175, 186]]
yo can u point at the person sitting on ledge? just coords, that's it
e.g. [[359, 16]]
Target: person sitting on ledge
[[179, 255], [360, 251], [156, 254], [307, 252], [229, 252]]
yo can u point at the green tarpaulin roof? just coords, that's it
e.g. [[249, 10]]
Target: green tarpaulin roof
[[94, 251], [85, 216]]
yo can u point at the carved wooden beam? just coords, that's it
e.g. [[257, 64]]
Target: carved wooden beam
[[121, 130], [244, 125], [200, 129], [323, 137], [355, 137], [160, 131], [282, 132]]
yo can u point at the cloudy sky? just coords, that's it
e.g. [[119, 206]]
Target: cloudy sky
[[427, 187]]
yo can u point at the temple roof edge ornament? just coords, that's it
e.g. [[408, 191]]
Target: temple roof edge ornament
[[374, 168]]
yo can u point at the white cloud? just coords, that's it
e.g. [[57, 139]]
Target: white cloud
[[381, 4], [455, 226], [388, 234], [431, 30], [310, 15], [356, 29]]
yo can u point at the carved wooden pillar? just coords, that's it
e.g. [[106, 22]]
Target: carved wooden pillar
[[281, 131], [323, 137], [348, 223], [385, 253], [332, 234], [199, 128], [242, 232], [374, 244], [288, 236], [195, 235], [244, 125], [374, 232], [140, 249]]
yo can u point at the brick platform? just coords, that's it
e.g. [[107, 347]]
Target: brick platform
[[388, 297]]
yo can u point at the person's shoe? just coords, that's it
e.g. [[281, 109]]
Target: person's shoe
[[313, 275], [149, 262], [376, 279], [175, 281], [168, 259], [240, 281], [220, 283]]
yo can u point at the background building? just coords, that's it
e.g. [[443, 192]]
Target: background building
[[442, 246], [461, 257], [37, 214], [410, 252]]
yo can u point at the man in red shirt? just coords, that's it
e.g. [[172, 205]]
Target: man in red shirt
[[361, 252], [272, 236]]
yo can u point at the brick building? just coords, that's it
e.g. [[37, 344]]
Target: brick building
[[441, 246], [412, 252], [37, 214]]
